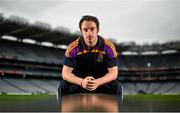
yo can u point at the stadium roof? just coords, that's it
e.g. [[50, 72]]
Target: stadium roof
[[42, 32], [156, 47]]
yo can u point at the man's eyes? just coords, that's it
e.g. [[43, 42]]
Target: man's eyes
[[92, 29], [86, 30]]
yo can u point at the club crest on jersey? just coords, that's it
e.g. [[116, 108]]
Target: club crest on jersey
[[100, 58]]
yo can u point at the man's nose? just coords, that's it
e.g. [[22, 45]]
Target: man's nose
[[89, 32]]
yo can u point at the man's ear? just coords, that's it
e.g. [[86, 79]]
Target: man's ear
[[80, 30], [98, 30]]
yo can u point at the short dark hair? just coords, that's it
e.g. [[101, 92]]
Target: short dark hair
[[89, 18]]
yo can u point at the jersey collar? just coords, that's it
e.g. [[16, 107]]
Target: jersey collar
[[84, 46]]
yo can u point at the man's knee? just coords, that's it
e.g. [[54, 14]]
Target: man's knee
[[62, 86], [116, 83], [118, 87], [61, 90], [67, 88]]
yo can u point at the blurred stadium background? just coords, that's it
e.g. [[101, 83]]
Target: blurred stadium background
[[35, 68]]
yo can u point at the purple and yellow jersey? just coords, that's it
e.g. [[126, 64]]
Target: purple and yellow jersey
[[91, 61]]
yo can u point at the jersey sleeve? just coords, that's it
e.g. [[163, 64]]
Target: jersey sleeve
[[70, 62], [70, 55], [112, 59]]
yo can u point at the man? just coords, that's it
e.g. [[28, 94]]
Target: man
[[90, 64]]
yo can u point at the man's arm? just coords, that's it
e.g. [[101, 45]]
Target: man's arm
[[110, 76], [69, 76]]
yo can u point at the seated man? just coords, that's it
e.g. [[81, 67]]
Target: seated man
[[90, 63]]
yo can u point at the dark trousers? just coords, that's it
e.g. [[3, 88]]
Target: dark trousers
[[113, 87]]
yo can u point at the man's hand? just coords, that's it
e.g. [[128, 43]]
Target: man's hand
[[84, 82], [92, 84]]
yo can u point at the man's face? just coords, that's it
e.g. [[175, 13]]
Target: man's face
[[89, 32]]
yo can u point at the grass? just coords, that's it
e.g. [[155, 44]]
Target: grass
[[40, 102], [24, 97], [45, 96], [154, 97], [45, 102]]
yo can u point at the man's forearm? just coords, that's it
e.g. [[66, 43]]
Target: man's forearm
[[70, 77], [110, 76], [107, 78]]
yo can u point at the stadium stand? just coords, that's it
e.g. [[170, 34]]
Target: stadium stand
[[6, 87], [158, 60], [30, 52], [157, 87], [24, 85], [35, 69]]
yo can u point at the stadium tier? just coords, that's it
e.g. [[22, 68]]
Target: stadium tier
[[36, 60], [27, 59], [150, 61], [151, 88], [29, 52], [27, 86], [41, 86]]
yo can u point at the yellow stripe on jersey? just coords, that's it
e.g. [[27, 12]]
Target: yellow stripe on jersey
[[110, 44], [82, 52], [71, 46], [98, 51], [113, 49], [69, 50]]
